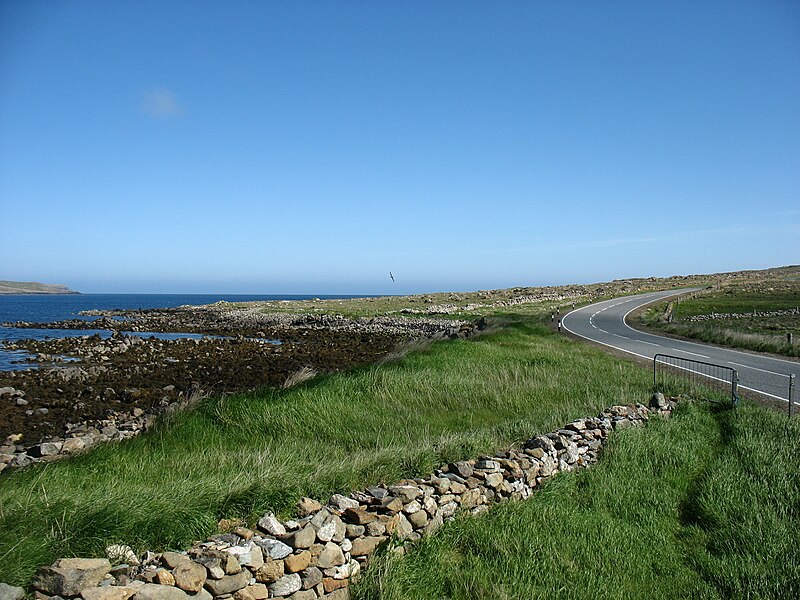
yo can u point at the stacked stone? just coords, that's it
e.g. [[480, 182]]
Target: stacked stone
[[78, 437], [748, 315], [320, 552]]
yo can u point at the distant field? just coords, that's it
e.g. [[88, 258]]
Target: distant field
[[736, 315]]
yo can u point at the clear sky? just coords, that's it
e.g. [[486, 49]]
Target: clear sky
[[312, 147]]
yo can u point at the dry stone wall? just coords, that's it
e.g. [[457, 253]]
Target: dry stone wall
[[319, 553]]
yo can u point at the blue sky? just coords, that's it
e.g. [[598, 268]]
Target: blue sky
[[312, 147]]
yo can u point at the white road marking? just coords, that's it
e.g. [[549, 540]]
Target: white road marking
[[625, 322], [650, 358], [744, 387], [649, 343], [730, 362], [694, 354]]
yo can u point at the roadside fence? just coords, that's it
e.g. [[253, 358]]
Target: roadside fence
[[670, 371], [674, 372]]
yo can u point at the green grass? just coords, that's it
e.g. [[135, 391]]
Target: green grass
[[759, 333], [705, 505], [241, 456]]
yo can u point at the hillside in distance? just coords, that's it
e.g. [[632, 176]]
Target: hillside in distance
[[31, 287]]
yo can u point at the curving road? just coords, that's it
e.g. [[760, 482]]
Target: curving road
[[604, 323]]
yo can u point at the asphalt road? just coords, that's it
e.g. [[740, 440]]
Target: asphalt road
[[604, 323]]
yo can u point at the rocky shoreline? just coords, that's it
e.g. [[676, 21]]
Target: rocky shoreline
[[87, 389], [318, 553]]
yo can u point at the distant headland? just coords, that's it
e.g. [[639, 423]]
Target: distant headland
[[31, 287]]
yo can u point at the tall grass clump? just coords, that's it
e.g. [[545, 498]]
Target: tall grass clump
[[240, 456], [705, 505]]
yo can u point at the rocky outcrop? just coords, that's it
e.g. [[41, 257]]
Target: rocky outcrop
[[117, 386], [319, 553]]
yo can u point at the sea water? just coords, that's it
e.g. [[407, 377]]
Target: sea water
[[42, 308]]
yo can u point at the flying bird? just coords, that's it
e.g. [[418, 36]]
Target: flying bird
[[390, 275]]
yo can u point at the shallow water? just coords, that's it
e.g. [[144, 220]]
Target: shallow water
[[46, 308]]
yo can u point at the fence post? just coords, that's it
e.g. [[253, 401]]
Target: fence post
[[791, 386], [735, 388], [655, 373], [559, 326]]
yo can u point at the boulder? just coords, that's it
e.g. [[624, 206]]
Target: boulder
[[418, 519], [406, 493], [46, 449], [165, 577], [108, 592], [400, 526], [658, 401], [286, 585], [461, 468], [189, 576], [343, 502], [359, 516], [366, 545], [228, 584], [271, 525], [327, 532], [153, 591], [311, 577], [273, 549], [307, 506], [68, 576], [302, 538], [331, 556], [304, 595], [12, 592], [297, 562], [257, 591], [271, 571], [173, 559], [329, 584], [494, 479]]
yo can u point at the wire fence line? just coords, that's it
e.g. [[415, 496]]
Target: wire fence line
[[671, 372]]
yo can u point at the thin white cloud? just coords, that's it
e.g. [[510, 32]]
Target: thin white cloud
[[161, 103], [732, 230]]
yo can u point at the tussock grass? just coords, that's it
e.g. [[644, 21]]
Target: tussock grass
[[299, 376], [239, 456], [706, 505]]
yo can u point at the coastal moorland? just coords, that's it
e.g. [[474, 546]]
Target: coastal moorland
[[759, 315], [716, 488], [32, 287]]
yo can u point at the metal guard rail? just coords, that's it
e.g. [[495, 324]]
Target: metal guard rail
[[680, 362]]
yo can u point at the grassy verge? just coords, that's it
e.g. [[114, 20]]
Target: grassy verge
[[736, 317], [706, 505], [244, 455]]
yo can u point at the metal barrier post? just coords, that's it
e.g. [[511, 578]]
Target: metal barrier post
[[655, 377], [696, 372]]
